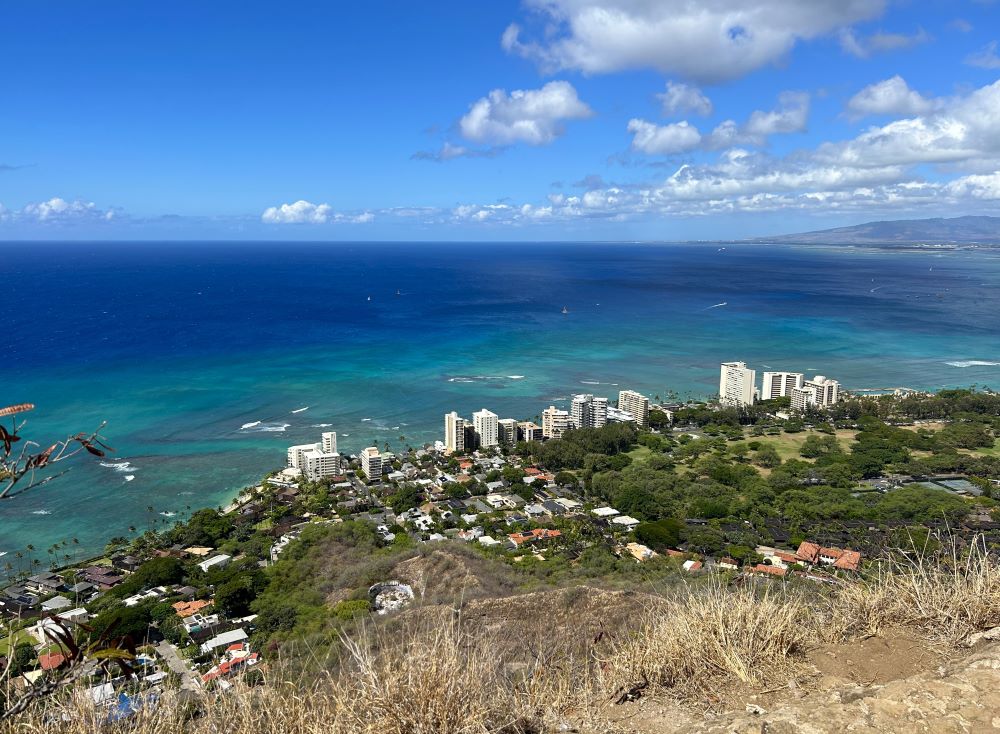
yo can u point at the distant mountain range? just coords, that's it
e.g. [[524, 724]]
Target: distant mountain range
[[903, 232]]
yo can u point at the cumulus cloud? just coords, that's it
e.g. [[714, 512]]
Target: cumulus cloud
[[533, 116], [890, 97], [985, 58], [682, 98], [866, 46], [707, 42], [663, 139], [791, 115], [60, 211], [884, 168], [305, 212], [301, 212]]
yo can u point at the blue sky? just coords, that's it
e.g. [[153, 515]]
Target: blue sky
[[554, 119]]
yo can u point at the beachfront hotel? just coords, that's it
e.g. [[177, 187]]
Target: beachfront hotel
[[737, 384], [486, 426], [587, 411], [454, 433], [316, 460], [780, 384], [636, 405], [819, 392]]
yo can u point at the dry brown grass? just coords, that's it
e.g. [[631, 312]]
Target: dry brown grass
[[946, 595], [441, 675], [710, 635], [436, 680]]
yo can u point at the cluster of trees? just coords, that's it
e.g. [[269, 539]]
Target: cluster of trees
[[573, 449]]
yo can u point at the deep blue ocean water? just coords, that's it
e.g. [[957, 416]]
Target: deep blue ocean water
[[180, 347]]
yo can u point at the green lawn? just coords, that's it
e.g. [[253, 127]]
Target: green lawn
[[640, 453], [18, 637], [789, 444], [994, 450]]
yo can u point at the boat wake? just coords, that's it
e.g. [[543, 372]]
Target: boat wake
[[301, 410]]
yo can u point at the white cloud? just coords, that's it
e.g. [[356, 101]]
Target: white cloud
[[533, 116], [890, 97], [301, 212], [60, 211], [963, 130], [790, 117], [663, 139], [681, 98], [985, 58], [449, 151], [882, 170], [707, 41], [961, 25], [866, 46]]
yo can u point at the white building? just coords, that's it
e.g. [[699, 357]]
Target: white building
[[454, 433], [588, 411], [371, 463], [296, 454], [318, 464], [555, 422], [636, 404], [329, 442], [780, 384], [819, 392], [736, 384], [487, 428], [508, 431], [219, 561]]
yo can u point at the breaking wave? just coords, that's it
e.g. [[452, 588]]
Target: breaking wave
[[973, 363]]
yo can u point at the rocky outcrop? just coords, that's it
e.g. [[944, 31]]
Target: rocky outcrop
[[961, 697]]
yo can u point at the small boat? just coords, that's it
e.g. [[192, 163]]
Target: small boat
[[398, 293], [565, 310], [369, 298]]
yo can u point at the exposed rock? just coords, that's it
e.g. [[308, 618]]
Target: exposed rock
[[963, 699]]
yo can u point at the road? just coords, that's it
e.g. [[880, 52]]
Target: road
[[189, 681]]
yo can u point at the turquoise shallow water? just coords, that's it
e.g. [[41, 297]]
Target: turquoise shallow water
[[178, 346]]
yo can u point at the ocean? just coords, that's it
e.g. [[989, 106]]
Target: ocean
[[207, 359]]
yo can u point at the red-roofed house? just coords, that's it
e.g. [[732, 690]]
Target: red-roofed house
[[769, 570], [530, 536], [808, 552], [849, 561], [51, 660]]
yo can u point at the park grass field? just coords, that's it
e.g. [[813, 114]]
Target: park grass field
[[789, 444]]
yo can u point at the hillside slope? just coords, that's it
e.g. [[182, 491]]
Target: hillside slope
[[957, 230]]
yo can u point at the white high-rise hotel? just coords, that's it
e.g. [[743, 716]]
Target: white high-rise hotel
[[780, 384], [737, 384], [486, 426], [316, 460], [589, 412], [819, 392], [638, 405]]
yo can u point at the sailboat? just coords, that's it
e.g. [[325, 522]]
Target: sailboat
[[369, 298], [565, 310], [398, 293]]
